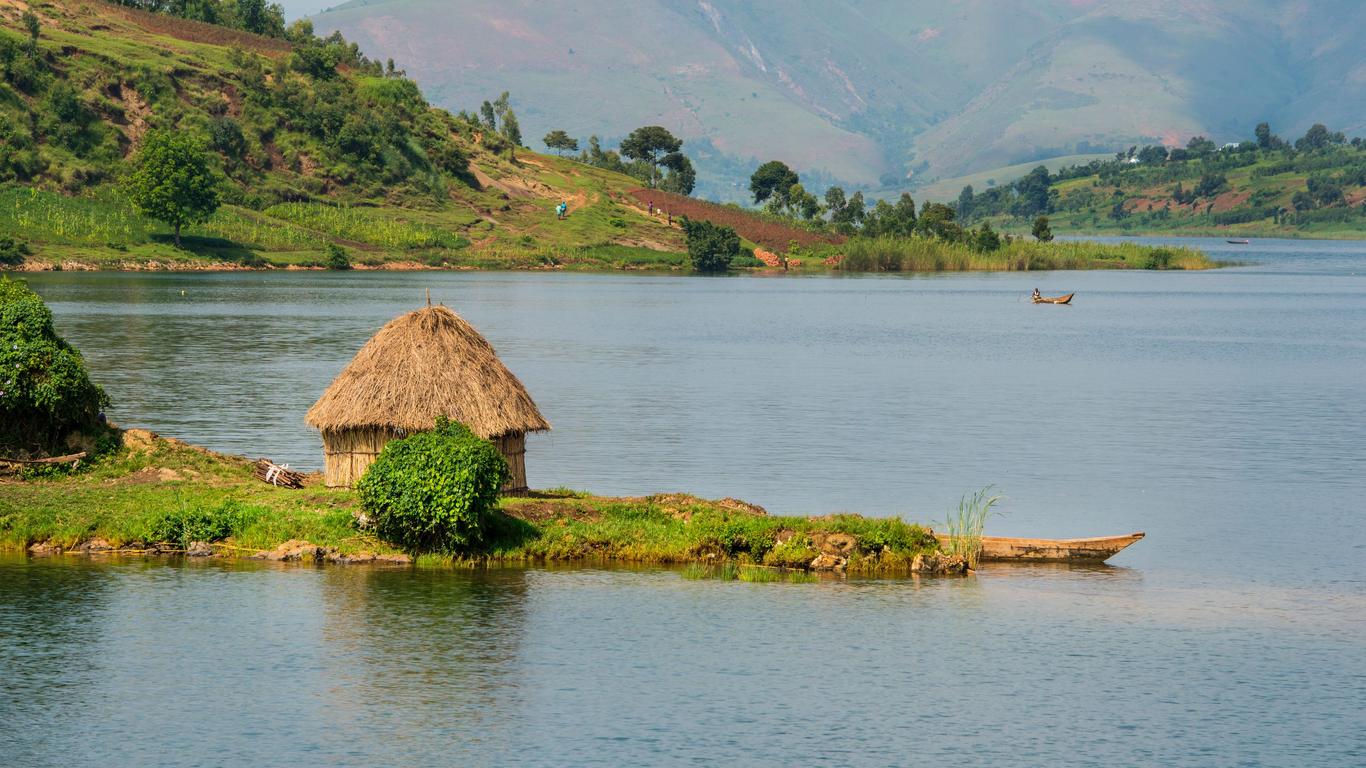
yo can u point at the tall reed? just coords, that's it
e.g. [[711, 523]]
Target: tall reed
[[965, 526]]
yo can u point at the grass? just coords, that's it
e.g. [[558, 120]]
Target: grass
[[747, 573], [927, 255], [169, 491], [965, 525], [383, 228]]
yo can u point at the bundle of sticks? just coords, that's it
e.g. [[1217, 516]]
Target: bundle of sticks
[[11, 466], [273, 473]]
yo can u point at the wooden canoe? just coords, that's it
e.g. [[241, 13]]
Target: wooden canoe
[[1238, 242], [1097, 550], [1054, 299]]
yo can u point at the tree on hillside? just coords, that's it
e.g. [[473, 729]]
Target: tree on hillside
[[711, 247], [1033, 192], [802, 203], [488, 116], [1318, 137], [561, 141], [1041, 231], [507, 119], [937, 220], [172, 180], [32, 26], [649, 144], [772, 181], [1153, 154], [1265, 138], [681, 178], [965, 203]]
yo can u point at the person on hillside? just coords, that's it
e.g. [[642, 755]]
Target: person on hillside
[[562, 209]]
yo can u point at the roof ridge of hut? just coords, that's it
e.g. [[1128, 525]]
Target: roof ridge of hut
[[423, 364]]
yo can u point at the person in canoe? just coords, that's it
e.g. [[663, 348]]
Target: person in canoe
[[1036, 295]]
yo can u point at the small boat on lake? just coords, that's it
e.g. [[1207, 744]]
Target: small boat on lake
[[1037, 299], [1096, 550], [1238, 242]]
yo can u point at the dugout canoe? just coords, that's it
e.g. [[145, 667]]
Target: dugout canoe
[[1054, 299], [1096, 550]]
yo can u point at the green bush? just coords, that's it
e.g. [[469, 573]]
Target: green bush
[[12, 251], [337, 258], [711, 247], [431, 492], [1160, 258], [45, 392]]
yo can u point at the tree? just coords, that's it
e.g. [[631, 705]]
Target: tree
[[710, 246], [1264, 135], [1041, 231], [682, 178], [561, 141], [1153, 154], [803, 203], [1318, 137], [772, 179], [488, 116], [511, 129], [648, 144], [1033, 193], [1211, 184], [985, 239], [937, 220], [965, 203], [33, 27], [172, 180]]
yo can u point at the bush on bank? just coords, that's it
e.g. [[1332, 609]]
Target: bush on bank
[[433, 491]]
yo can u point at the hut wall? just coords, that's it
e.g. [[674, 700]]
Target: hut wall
[[348, 453], [513, 447]]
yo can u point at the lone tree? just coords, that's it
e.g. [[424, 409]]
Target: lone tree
[[172, 180], [773, 180], [650, 144], [560, 142], [710, 246], [1041, 231]]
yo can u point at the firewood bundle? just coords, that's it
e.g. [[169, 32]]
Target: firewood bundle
[[283, 477]]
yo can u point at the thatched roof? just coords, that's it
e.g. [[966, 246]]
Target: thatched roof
[[422, 365]]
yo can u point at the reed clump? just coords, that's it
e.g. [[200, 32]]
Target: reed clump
[[922, 254], [966, 524]]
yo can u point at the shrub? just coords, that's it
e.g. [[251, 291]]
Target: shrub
[[337, 258], [431, 492], [45, 392], [1159, 258], [711, 247], [12, 251]]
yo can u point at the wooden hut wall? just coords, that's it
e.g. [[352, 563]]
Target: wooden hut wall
[[348, 453], [513, 448]]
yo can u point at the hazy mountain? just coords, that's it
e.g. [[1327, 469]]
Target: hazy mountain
[[868, 89]]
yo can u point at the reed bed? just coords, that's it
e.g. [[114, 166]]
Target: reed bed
[[917, 254]]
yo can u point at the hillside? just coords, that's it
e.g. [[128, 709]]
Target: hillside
[[317, 145], [871, 93], [1312, 186]]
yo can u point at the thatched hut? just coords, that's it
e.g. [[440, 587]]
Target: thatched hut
[[419, 366]]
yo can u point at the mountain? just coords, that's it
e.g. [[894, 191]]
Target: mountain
[[884, 92], [320, 151]]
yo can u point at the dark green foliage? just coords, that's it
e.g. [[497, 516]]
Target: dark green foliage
[[1033, 191], [186, 526], [432, 491], [561, 142], [1211, 184], [255, 16], [649, 144], [1041, 230], [985, 239], [172, 181], [45, 392], [772, 180], [1160, 258], [337, 258], [964, 206], [12, 252], [710, 247], [938, 220], [226, 137], [681, 177]]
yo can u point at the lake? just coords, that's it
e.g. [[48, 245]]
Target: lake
[[1221, 412]]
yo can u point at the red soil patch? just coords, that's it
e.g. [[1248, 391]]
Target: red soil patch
[[753, 228], [1230, 200]]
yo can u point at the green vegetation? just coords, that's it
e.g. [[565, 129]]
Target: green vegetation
[[711, 247], [311, 144], [965, 526], [931, 255], [431, 492], [1314, 186], [171, 180], [155, 490], [46, 395]]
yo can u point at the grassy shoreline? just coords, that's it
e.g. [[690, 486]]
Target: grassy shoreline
[[162, 496]]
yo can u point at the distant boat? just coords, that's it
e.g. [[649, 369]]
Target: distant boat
[[1054, 299], [1096, 550], [1238, 242]]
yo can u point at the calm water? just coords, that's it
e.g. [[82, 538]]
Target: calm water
[[1221, 412]]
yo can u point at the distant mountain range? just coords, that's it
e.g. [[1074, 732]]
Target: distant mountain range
[[883, 93]]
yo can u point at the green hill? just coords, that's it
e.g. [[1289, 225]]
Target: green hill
[[1314, 186], [318, 148]]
